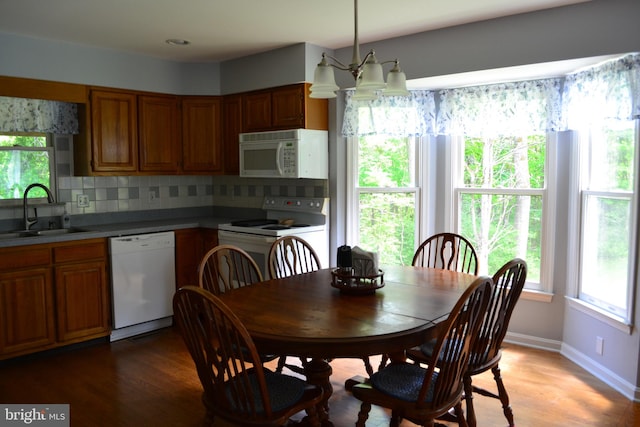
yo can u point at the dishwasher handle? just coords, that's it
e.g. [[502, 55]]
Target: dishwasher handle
[[142, 242]]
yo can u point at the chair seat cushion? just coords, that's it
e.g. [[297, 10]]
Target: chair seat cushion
[[403, 381], [427, 348], [284, 391]]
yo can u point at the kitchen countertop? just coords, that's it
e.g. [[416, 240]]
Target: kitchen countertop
[[115, 230]]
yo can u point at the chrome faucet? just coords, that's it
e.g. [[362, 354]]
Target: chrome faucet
[[29, 221]]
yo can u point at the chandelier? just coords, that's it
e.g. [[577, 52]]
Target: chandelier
[[367, 73]]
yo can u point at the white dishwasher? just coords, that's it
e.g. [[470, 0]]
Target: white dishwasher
[[143, 282]]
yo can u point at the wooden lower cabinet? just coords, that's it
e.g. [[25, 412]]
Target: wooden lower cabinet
[[27, 320], [191, 245], [53, 295], [82, 294], [209, 239], [188, 254]]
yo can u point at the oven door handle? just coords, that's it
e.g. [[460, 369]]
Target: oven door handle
[[245, 237]]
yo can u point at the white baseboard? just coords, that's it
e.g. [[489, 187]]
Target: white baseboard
[[602, 373], [612, 379], [535, 342]]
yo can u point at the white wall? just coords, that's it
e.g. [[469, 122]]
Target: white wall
[[72, 63]]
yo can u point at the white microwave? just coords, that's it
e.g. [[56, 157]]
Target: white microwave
[[296, 153]]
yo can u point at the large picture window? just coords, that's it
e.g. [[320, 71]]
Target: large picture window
[[603, 107], [496, 178], [500, 200], [387, 197], [607, 194], [502, 164]]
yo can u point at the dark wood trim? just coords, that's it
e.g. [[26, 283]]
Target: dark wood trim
[[42, 89]]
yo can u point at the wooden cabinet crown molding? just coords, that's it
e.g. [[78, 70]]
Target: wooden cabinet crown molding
[[19, 87]]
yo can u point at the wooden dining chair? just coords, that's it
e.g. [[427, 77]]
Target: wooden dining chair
[[237, 388], [447, 251], [421, 394], [290, 255], [508, 282], [227, 267]]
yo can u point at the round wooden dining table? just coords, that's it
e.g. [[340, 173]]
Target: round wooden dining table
[[305, 316]]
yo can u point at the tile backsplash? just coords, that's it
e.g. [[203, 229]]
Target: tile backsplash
[[107, 194]]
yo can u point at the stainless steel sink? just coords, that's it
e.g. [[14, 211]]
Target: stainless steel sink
[[35, 233]]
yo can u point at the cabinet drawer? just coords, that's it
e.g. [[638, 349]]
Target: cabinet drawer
[[80, 251], [14, 259]]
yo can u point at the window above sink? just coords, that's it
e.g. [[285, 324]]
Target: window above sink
[[25, 158]]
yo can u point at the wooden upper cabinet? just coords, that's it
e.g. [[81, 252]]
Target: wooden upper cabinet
[[114, 131], [257, 111], [288, 107], [159, 144], [231, 129], [285, 107], [202, 134]]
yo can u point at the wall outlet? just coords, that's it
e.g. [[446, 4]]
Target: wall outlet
[[600, 345], [153, 197], [83, 201]]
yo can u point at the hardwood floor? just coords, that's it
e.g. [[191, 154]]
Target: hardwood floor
[[151, 381]]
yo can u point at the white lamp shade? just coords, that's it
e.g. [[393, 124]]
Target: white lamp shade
[[364, 94], [324, 82], [372, 77], [396, 84]]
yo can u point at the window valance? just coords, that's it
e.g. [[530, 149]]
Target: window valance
[[412, 115], [37, 115], [502, 109], [607, 91], [610, 90]]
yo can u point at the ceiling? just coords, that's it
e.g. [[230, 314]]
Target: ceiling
[[222, 30]]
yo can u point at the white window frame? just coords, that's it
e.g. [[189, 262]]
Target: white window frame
[[454, 184], [354, 191], [50, 150], [579, 166]]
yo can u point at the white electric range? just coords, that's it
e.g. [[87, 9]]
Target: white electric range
[[305, 217]]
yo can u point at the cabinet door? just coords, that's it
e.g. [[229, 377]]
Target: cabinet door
[[232, 127], [209, 239], [287, 107], [257, 111], [114, 132], [201, 134], [26, 311], [188, 256], [159, 136], [82, 299]]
